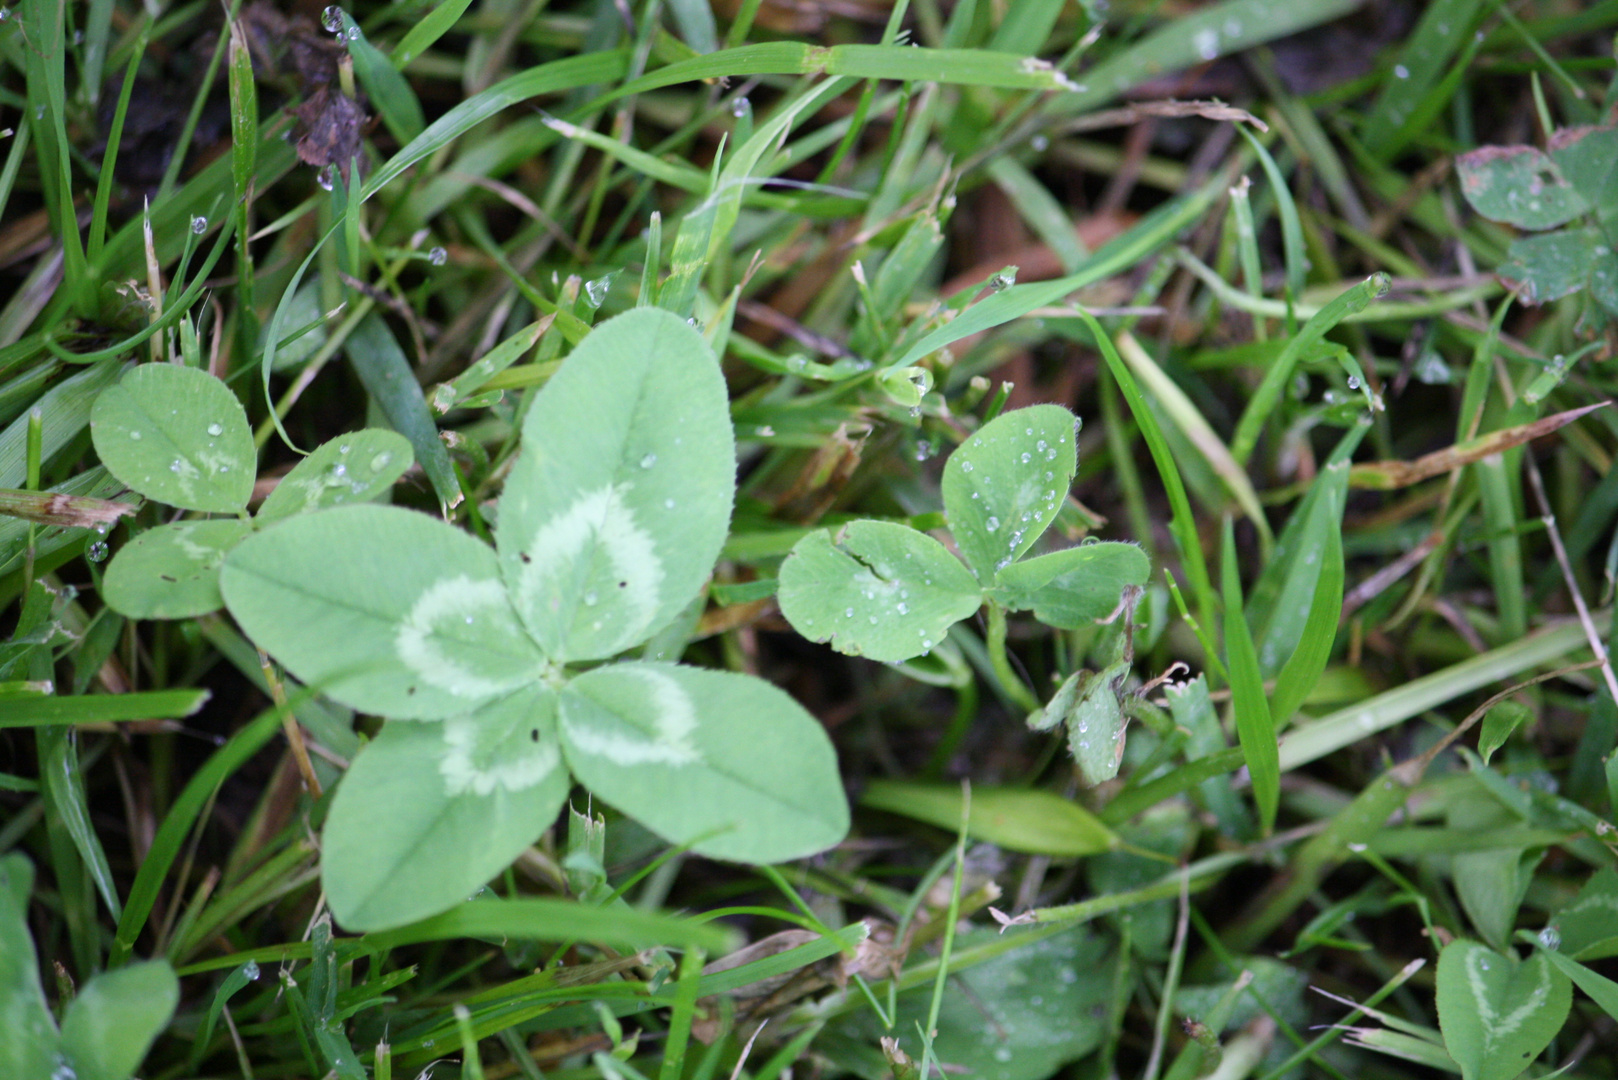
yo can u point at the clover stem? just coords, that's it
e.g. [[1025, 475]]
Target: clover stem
[[1013, 685]]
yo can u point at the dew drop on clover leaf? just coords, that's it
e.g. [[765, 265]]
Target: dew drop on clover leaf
[[216, 430], [992, 524], [648, 461], [903, 608], [668, 504], [966, 466], [591, 599], [135, 435], [1026, 457], [848, 613]]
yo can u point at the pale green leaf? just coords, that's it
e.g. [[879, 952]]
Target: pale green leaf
[[875, 589], [1004, 485], [360, 467], [172, 571], [177, 435], [614, 515], [430, 812], [1498, 724], [30, 1035], [1497, 1013], [1018, 819], [1074, 587], [386, 610], [111, 1024], [723, 762], [1518, 185], [1588, 925]]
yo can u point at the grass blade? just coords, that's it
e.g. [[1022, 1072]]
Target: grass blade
[[1254, 727]]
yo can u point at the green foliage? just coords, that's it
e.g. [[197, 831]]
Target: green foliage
[[609, 525], [1498, 1012], [1572, 183], [855, 252], [891, 593], [106, 1029]]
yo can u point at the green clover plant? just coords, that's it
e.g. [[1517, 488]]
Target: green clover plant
[[178, 435], [891, 592], [1574, 184], [107, 1027], [491, 665]]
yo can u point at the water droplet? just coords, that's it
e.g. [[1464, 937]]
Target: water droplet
[[135, 435], [1400, 71], [873, 620], [1550, 938], [1026, 457], [215, 430], [101, 528], [648, 461], [1353, 382], [1039, 144], [596, 290], [250, 970], [332, 19], [966, 466], [1206, 42], [380, 461], [1041, 444], [353, 33], [668, 504], [438, 256], [903, 608], [327, 177], [175, 466], [339, 470], [740, 108], [199, 225], [992, 524], [591, 599], [1002, 1053], [848, 613], [96, 551], [343, 448]]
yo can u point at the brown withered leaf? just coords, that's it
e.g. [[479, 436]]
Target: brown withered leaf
[[330, 127], [50, 508], [1388, 475]]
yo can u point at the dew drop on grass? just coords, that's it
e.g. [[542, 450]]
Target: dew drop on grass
[[1550, 938], [96, 551], [438, 256], [327, 177], [332, 19], [1400, 71], [353, 33], [740, 108], [199, 225], [596, 290], [1039, 143], [250, 970], [215, 430]]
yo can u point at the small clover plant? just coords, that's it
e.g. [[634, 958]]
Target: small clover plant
[[891, 593], [490, 665], [1568, 198], [179, 436]]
